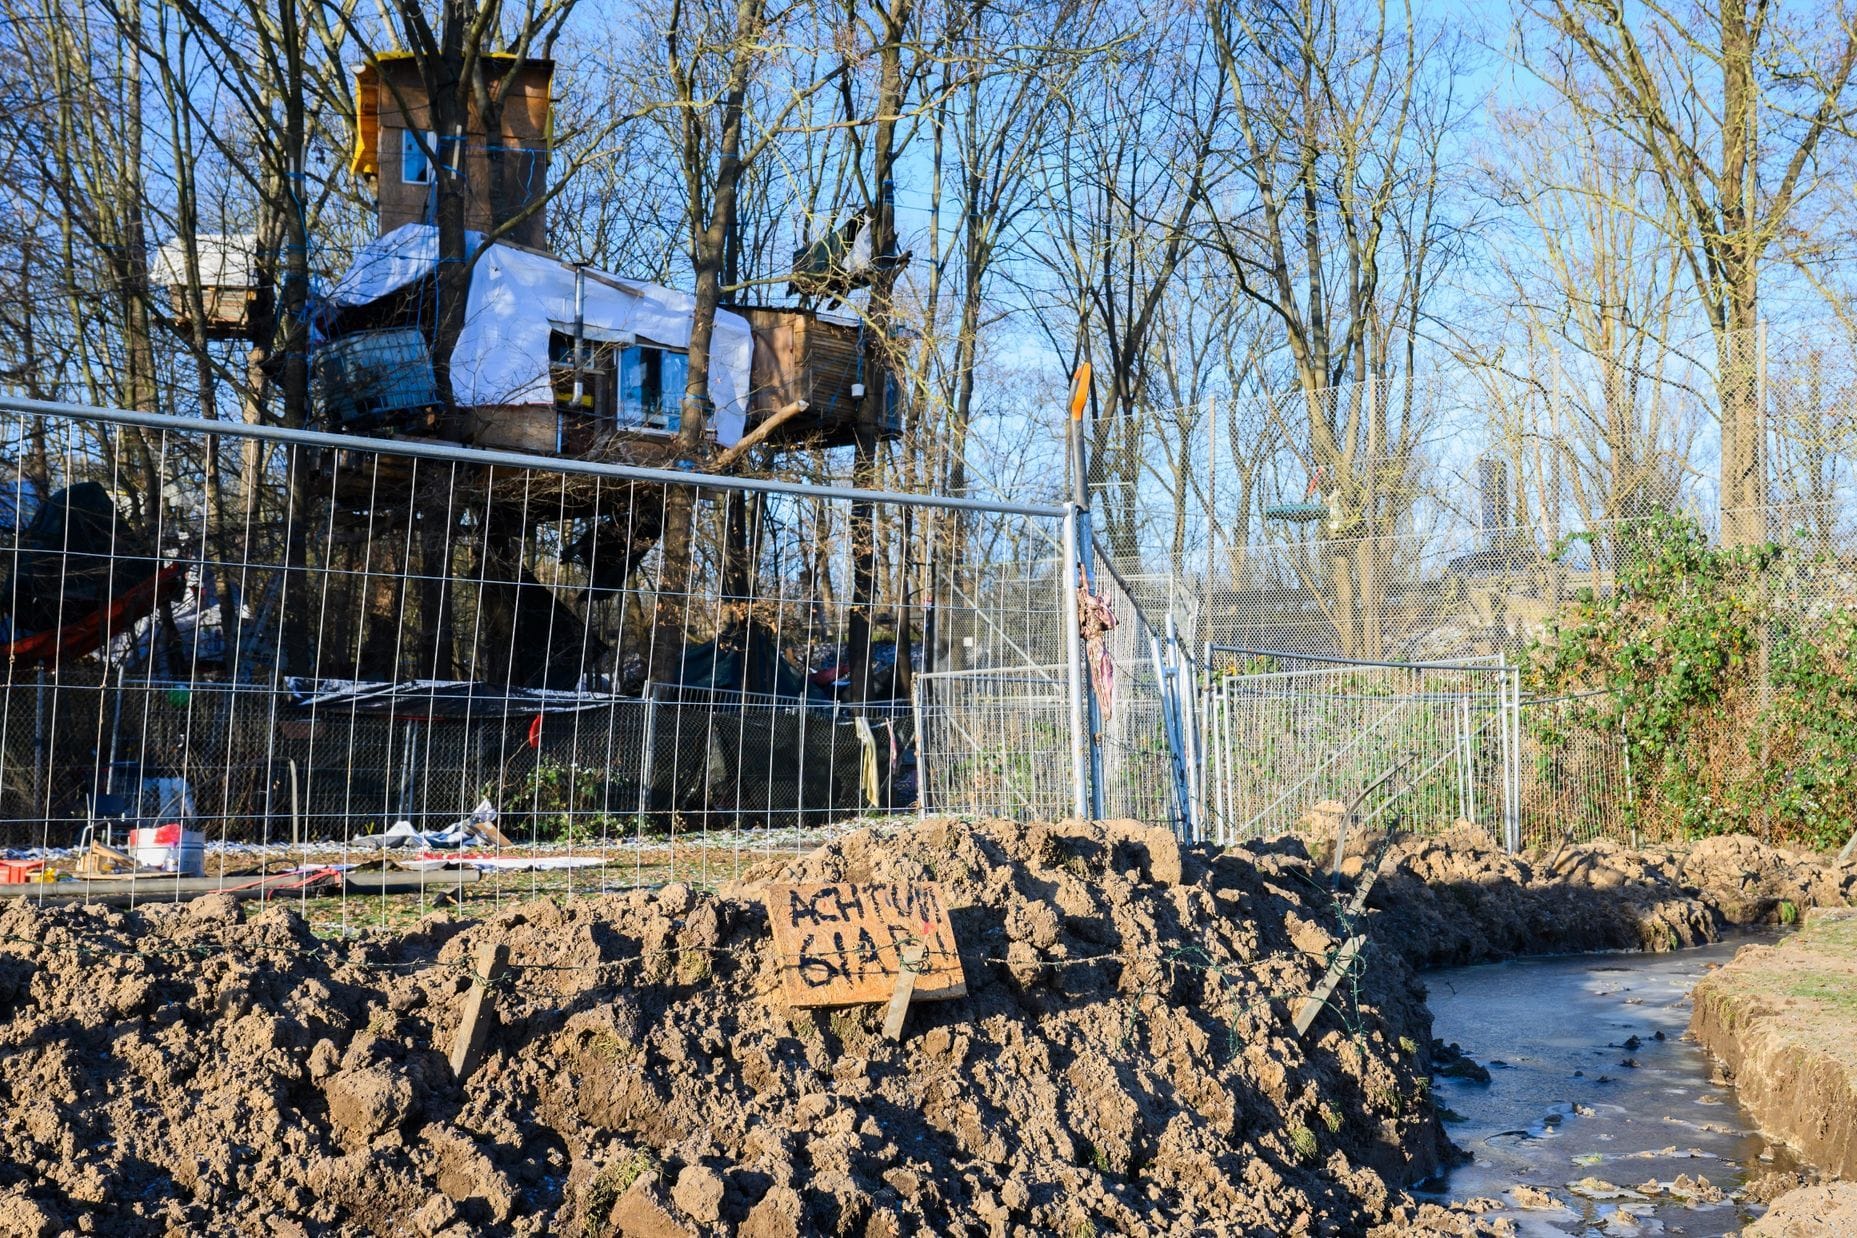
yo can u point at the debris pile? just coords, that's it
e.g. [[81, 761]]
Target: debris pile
[[1122, 1062]]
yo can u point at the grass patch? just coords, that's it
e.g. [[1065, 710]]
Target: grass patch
[[612, 1047], [613, 1181], [1826, 991]]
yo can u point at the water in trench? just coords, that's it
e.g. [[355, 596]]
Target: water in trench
[[1580, 1120]]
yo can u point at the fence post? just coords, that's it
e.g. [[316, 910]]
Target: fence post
[[1072, 618], [41, 782], [1511, 760]]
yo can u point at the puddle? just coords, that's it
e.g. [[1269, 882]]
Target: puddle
[[1582, 1129]]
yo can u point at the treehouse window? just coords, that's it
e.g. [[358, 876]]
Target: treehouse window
[[621, 383], [651, 387], [592, 395], [415, 167]]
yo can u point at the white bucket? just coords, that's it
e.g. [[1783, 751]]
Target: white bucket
[[171, 848]]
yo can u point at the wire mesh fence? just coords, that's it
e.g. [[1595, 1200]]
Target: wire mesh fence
[[995, 742], [1294, 748], [1143, 755], [298, 638], [1575, 776], [1429, 515], [318, 641], [1484, 508]]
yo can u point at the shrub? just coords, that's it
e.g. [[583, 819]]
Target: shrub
[[1730, 673]]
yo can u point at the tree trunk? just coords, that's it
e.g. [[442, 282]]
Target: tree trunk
[[877, 359], [1743, 480], [709, 252]]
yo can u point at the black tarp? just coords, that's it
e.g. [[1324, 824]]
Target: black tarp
[[747, 660], [73, 557]]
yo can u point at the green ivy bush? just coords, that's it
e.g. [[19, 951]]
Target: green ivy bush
[[1731, 675]]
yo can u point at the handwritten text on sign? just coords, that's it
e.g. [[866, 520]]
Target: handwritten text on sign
[[840, 945]]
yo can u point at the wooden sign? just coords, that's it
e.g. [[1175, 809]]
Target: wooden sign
[[843, 945]]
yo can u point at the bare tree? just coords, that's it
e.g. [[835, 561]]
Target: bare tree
[[1339, 235], [1730, 105], [1587, 277], [1126, 198]]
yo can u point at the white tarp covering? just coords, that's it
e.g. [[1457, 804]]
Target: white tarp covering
[[226, 261], [502, 353]]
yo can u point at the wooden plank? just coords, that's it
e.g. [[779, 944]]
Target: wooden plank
[[1312, 1004], [157, 887], [489, 831], [1359, 902], [911, 957], [145, 888], [487, 968], [841, 945], [407, 881], [103, 859]]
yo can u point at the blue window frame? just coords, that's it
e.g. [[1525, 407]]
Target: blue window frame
[[651, 387], [415, 168]]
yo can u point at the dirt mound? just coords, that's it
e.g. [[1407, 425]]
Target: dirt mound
[[1809, 1212], [1122, 1063], [1459, 898], [1750, 882]]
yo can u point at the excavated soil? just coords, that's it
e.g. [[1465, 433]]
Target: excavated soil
[[1122, 1063], [1458, 898], [1810, 1212]]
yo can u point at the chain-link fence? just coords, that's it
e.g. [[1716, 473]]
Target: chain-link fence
[[1574, 775], [1483, 508]]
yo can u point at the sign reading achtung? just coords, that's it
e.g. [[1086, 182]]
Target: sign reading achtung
[[841, 945]]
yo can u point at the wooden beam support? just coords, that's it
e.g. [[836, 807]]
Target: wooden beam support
[[1312, 1004], [910, 964], [487, 968], [755, 437]]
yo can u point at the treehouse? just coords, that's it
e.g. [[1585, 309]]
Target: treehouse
[[559, 359], [549, 357], [818, 358], [224, 266], [504, 156]]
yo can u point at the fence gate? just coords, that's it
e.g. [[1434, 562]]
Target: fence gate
[[1419, 744]]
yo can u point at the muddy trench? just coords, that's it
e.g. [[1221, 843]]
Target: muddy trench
[[1585, 1104], [1123, 1061]]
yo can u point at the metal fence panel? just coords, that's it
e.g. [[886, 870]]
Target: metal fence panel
[[319, 635], [1414, 746]]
